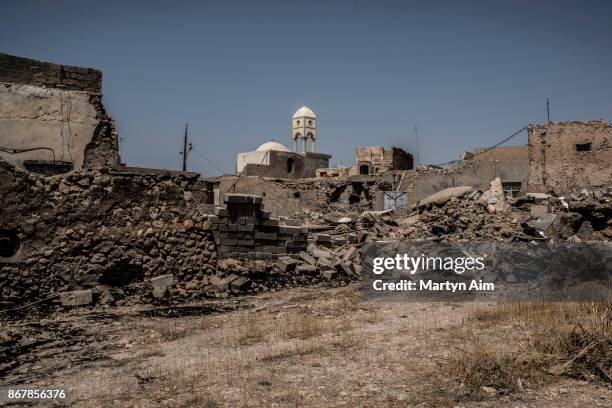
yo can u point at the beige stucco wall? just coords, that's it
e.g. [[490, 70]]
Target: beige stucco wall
[[32, 116], [254, 157]]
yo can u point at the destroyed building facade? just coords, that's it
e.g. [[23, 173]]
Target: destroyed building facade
[[52, 119], [567, 157], [377, 160]]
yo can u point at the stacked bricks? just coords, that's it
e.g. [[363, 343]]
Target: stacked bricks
[[243, 230]]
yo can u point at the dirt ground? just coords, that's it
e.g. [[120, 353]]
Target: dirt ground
[[306, 347]]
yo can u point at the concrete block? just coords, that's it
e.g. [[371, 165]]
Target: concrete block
[[286, 263], [271, 222], [322, 237], [306, 269], [221, 211], [304, 256], [321, 253], [329, 274], [240, 284], [245, 227], [76, 298], [350, 254], [266, 235]]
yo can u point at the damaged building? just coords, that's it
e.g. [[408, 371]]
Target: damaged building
[[52, 119], [567, 157]]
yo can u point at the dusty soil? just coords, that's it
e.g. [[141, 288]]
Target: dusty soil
[[306, 347]]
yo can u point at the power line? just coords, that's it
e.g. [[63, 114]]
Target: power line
[[490, 148], [208, 160]]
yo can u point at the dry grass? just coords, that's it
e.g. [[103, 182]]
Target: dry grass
[[556, 339]]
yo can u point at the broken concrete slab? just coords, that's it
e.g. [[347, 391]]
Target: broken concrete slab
[[538, 210], [544, 222], [443, 196]]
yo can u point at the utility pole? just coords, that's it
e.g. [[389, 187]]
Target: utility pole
[[547, 110], [186, 148], [416, 134]]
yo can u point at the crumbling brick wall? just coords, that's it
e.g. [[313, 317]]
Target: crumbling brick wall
[[27, 71], [567, 157]]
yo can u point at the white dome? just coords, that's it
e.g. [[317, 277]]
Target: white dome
[[304, 111], [272, 145]]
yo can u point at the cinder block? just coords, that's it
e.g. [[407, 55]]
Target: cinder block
[[307, 258], [286, 264], [266, 235], [306, 269], [221, 211], [271, 222], [287, 229]]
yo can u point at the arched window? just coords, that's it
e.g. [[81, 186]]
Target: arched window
[[290, 163]]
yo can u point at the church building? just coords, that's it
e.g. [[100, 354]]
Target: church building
[[273, 159]]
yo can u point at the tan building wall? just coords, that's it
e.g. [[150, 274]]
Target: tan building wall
[[53, 113], [502, 153], [569, 156], [30, 117]]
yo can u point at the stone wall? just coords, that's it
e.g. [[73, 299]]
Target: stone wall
[[99, 228], [27, 71], [53, 124], [567, 157]]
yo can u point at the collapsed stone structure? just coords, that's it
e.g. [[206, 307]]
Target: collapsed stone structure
[[52, 119]]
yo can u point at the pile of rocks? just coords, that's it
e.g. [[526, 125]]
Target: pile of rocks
[[326, 263]]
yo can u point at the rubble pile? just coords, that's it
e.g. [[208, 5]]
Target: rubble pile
[[104, 237], [336, 198]]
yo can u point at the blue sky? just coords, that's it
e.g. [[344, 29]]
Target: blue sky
[[467, 73]]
